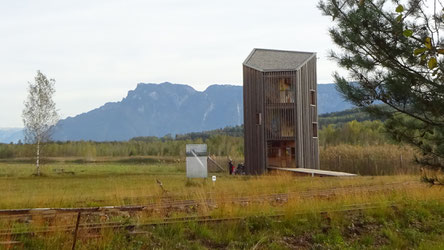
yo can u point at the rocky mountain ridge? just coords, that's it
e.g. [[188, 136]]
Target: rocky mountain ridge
[[159, 109]]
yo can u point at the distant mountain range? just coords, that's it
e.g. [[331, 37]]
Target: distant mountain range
[[166, 108], [156, 110], [8, 135], [330, 100]]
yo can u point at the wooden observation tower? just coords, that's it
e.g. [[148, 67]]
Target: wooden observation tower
[[280, 110]]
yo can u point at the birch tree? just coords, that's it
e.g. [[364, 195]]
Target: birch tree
[[40, 114]]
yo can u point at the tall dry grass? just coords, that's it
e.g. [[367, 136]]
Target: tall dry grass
[[386, 159], [310, 209], [127, 184]]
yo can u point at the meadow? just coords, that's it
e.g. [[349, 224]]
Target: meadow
[[395, 211], [135, 195], [109, 183]]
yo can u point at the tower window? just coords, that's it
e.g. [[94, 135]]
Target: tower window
[[285, 91], [312, 97], [258, 118], [315, 129]]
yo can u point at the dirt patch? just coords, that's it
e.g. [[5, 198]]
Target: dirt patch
[[303, 241]]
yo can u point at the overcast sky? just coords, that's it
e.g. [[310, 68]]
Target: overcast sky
[[98, 50]]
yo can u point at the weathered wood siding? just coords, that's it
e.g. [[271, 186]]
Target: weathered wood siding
[[297, 107], [254, 133], [309, 115]]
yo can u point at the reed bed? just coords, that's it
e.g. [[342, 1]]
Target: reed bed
[[385, 159]]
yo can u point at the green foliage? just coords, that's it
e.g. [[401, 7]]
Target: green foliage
[[338, 128], [354, 133], [394, 57], [342, 117], [429, 138], [236, 131], [368, 229], [6, 151], [220, 145]]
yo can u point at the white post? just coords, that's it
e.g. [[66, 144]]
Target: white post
[[214, 180]]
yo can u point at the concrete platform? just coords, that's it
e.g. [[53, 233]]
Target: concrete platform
[[312, 172]]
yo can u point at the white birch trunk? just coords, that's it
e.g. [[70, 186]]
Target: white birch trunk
[[38, 158]]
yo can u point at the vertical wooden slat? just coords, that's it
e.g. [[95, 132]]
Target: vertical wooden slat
[[315, 87], [262, 95]]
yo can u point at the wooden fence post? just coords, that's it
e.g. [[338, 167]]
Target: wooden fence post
[[76, 230]]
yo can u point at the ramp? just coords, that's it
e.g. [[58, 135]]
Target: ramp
[[312, 172]]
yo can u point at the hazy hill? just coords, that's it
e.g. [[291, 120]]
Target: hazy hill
[[330, 100], [156, 110], [166, 108], [341, 117], [8, 135], [335, 118]]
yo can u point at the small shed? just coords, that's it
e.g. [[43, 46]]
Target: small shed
[[280, 110]]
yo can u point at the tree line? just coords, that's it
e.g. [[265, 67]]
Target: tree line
[[217, 145], [220, 142]]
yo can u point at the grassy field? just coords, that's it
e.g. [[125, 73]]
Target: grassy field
[[406, 213], [103, 184]]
